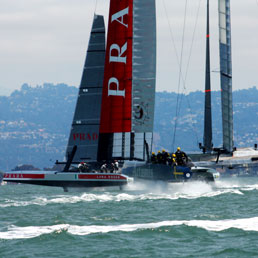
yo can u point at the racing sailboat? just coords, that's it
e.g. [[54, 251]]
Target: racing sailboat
[[113, 119], [227, 159], [83, 140], [127, 111]]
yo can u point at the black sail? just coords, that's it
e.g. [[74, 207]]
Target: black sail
[[85, 126]]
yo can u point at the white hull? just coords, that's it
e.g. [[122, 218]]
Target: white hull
[[66, 179]]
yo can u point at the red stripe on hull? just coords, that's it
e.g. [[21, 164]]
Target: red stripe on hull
[[27, 176]]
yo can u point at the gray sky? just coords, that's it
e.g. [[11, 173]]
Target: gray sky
[[45, 41]]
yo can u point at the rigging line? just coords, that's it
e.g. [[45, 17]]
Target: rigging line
[[171, 32], [179, 79], [96, 4], [191, 48], [181, 56], [187, 69], [192, 125], [172, 37], [192, 42], [175, 49], [191, 113]]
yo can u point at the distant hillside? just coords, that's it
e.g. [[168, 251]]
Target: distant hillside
[[35, 122], [190, 121], [34, 125]]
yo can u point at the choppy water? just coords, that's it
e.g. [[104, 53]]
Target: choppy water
[[179, 220]]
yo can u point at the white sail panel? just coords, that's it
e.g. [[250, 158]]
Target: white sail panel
[[222, 6], [117, 145], [144, 65], [222, 22], [226, 73]]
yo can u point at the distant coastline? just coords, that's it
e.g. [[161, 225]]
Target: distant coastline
[[35, 122]]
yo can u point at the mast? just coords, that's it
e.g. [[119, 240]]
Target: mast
[[207, 138], [226, 73], [84, 135]]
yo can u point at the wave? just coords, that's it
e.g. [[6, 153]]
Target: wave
[[250, 224], [108, 197], [141, 192], [136, 192]]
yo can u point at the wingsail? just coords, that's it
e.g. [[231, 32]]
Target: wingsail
[[85, 126], [226, 73], [127, 111]]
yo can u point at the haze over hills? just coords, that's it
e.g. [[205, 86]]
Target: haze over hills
[[35, 122]]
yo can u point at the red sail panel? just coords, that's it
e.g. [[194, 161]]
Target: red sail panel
[[116, 109]]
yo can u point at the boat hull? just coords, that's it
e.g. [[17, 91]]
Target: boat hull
[[66, 179], [161, 172], [236, 168]]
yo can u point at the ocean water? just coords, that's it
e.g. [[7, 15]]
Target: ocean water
[[176, 220]]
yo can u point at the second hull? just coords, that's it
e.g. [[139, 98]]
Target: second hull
[[160, 172]]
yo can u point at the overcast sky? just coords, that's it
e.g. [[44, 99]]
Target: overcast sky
[[45, 41]]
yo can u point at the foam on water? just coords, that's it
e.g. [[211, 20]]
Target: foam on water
[[249, 224], [136, 192], [236, 184]]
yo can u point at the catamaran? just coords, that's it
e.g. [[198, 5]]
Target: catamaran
[[127, 111], [227, 159], [114, 114]]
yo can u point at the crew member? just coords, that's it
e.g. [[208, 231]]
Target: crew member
[[169, 160], [153, 158], [116, 165], [83, 167], [164, 157], [80, 166], [103, 168], [159, 157], [181, 157], [174, 163]]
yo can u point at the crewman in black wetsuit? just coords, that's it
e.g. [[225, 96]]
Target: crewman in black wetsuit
[[165, 156], [159, 157], [181, 157], [153, 158]]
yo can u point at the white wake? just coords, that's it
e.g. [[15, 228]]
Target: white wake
[[140, 191], [250, 224]]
